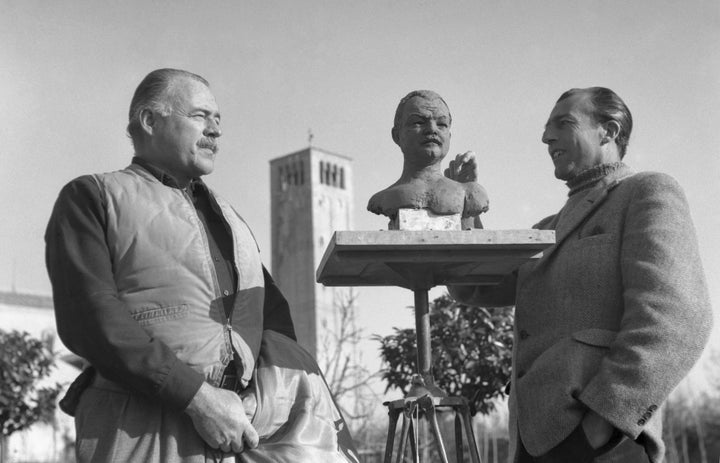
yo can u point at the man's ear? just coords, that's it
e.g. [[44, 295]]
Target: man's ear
[[147, 121], [611, 130], [395, 136]]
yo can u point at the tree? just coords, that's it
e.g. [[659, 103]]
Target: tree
[[350, 383], [691, 419], [24, 361], [471, 352]]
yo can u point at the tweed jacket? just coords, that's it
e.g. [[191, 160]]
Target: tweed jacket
[[611, 317]]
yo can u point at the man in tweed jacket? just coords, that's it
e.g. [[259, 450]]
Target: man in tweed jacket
[[611, 318]]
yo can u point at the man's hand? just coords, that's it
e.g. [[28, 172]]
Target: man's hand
[[596, 429], [464, 168], [219, 417]]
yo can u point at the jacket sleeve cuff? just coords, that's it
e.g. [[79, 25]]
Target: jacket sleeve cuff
[[621, 418], [180, 386]]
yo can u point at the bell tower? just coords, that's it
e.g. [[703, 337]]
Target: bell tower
[[311, 197]]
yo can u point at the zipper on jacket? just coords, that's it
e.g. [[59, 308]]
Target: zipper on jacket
[[228, 337], [227, 327]]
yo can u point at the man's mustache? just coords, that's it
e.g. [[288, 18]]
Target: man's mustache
[[208, 144]]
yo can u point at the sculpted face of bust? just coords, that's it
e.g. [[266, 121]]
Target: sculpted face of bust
[[423, 131]]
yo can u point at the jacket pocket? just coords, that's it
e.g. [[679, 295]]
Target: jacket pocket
[[150, 315], [595, 337]]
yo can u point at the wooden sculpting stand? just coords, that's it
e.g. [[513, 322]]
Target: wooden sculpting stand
[[419, 261]]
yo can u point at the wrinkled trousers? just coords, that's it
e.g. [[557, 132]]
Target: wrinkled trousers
[[576, 449], [296, 418]]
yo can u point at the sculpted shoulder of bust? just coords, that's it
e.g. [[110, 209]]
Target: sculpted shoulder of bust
[[422, 131], [440, 195]]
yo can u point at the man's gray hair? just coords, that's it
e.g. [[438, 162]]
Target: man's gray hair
[[426, 94], [153, 94]]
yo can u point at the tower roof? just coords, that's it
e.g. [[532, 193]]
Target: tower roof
[[308, 151]]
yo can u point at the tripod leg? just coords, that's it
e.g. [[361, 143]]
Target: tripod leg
[[407, 417], [459, 439], [393, 416], [430, 413], [414, 427], [474, 455]]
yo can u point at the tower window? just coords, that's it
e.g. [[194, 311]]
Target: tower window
[[283, 179], [331, 174]]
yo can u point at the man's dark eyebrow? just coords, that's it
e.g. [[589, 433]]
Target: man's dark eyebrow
[[558, 117]]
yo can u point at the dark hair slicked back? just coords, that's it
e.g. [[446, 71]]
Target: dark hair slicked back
[[608, 106]]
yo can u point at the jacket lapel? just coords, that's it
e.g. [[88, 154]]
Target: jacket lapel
[[580, 212], [576, 217]]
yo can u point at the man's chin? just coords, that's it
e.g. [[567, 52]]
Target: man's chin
[[563, 175], [205, 167]]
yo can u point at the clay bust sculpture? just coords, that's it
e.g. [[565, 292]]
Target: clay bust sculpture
[[422, 131]]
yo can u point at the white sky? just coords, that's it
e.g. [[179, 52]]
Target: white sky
[[279, 68]]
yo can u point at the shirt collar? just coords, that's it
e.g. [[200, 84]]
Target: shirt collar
[[165, 178]]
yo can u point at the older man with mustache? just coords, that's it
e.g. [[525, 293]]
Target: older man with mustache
[[159, 285]]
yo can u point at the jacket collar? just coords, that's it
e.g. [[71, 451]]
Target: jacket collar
[[594, 198], [165, 178]]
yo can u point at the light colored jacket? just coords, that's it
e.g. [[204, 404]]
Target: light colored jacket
[[165, 275]]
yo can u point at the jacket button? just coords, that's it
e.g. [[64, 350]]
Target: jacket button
[[652, 408], [226, 292], [524, 334], [641, 422]]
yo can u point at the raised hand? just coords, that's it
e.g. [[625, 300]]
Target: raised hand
[[463, 168]]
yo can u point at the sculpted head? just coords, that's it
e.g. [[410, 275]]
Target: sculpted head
[[422, 131], [422, 128], [174, 123]]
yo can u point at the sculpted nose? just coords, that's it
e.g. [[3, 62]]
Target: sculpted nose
[[431, 126]]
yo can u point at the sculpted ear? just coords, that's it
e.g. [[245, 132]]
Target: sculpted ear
[[147, 121], [395, 136], [611, 130]]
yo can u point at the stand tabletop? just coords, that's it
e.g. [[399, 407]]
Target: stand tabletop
[[424, 259]]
